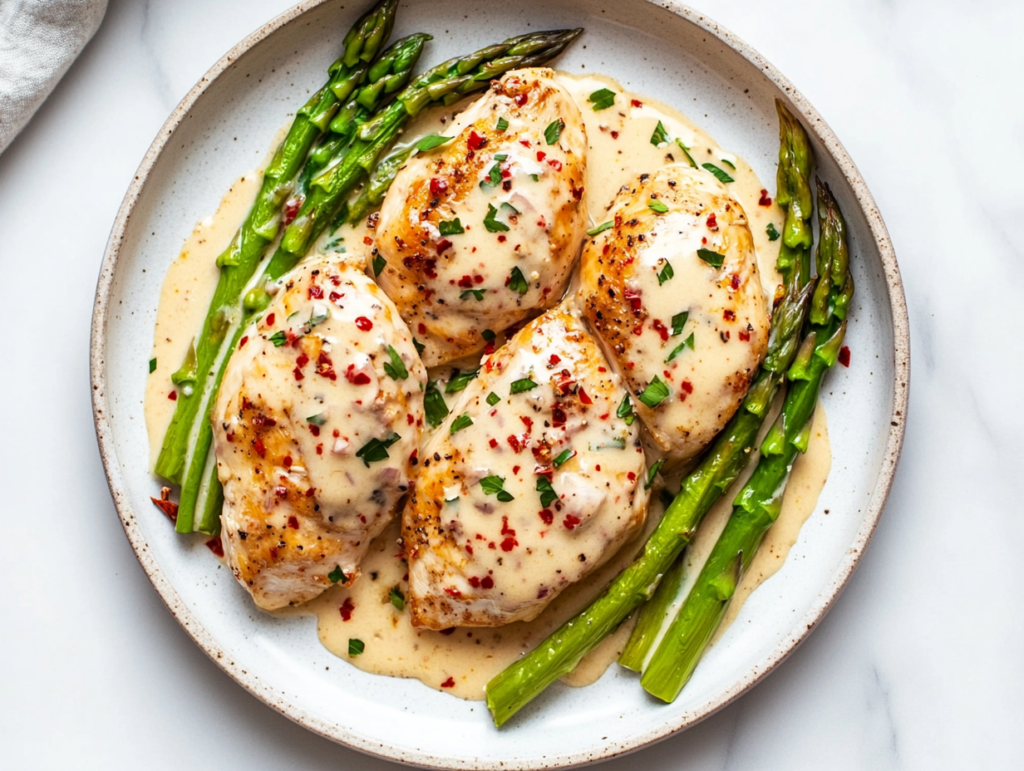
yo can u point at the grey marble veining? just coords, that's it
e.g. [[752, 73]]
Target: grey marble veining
[[919, 664]]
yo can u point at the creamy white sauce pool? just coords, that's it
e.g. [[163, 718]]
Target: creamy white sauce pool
[[462, 661]]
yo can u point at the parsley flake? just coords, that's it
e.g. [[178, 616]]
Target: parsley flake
[[396, 368], [547, 492], [317, 420], [488, 335], [152, 366], [687, 343], [653, 473], [378, 264], [431, 141], [773, 234], [517, 281], [520, 386], [678, 322], [355, 646], [418, 345], [502, 125], [376, 449], [666, 273], [600, 228], [337, 575], [278, 339], [655, 393], [562, 457], [720, 174], [491, 223], [554, 131], [657, 206], [625, 410], [397, 598], [433, 405], [602, 99], [459, 381], [660, 135], [493, 398], [461, 422], [450, 227], [686, 152], [467, 293], [714, 259], [493, 178], [730, 164], [495, 485]]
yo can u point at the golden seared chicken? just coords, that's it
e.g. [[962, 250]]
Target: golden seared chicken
[[672, 289], [315, 428], [531, 483], [483, 232]]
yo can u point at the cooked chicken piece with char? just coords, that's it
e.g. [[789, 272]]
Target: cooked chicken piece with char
[[672, 289], [315, 426], [482, 232], [532, 482]]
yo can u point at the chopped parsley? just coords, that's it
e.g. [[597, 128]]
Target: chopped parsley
[[152, 366], [678, 322], [720, 174], [773, 234], [714, 259], [495, 485], [562, 457], [418, 345], [625, 410], [602, 99], [461, 422], [433, 405], [397, 598], [687, 343], [431, 141], [660, 135], [655, 393], [376, 449], [519, 386], [600, 228], [493, 178], [554, 131], [337, 575], [488, 335], [317, 420], [517, 281], [657, 206], [502, 125], [278, 339], [450, 227], [666, 273], [467, 293], [355, 646], [730, 164], [459, 381], [686, 152], [493, 398], [491, 223], [653, 473], [378, 264], [547, 492], [396, 368]]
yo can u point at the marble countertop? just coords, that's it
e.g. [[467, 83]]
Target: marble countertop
[[918, 665]]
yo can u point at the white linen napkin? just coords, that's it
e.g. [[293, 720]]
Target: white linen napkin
[[38, 41]]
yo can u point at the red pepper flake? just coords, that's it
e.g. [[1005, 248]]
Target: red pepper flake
[[293, 522], [291, 211], [687, 386], [230, 437], [524, 142], [466, 282], [302, 361], [557, 417], [577, 192], [557, 166], [281, 492], [636, 103], [260, 449], [215, 546], [583, 396], [712, 221], [541, 155], [493, 443], [633, 297], [441, 246], [334, 297], [505, 529], [356, 378], [844, 356], [325, 367], [450, 682], [320, 449], [312, 491], [315, 293], [735, 281], [513, 442], [729, 315], [509, 544], [547, 516], [475, 141], [502, 239], [438, 186], [528, 422], [421, 328], [765, 200], [298, 374], [521, 100], [515, 469], [451, 591], [364, 323], [243, 341], [474, 581], [270, 319], [173, 396], [554, 359], [631, 476], [346, 609], [615, 135], [660, 328], [287, 461], [745, 336], [570, 521], [638, 330], [166, 505], [477, 279], [487, 582]]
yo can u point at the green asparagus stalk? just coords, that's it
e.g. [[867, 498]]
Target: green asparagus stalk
[[243, 255], [652, 616], [558, 655], [758, 504], [331, 187]]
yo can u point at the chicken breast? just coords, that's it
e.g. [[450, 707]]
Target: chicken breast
[[532, 482], [672, 289], [315, 428], [483, 232]]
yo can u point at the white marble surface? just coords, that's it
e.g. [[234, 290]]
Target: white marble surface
[[919, 664]]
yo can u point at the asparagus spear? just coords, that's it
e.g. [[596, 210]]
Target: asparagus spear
[[758, 504], [240, 259], [559, 654], [334, 184]]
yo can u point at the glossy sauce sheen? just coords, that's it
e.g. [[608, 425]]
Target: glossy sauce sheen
[[462, 661]]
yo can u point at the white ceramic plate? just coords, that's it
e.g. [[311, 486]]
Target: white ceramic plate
[[665, 50]]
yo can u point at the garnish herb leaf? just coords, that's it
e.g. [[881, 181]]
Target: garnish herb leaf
[[433, 405], [625, 410], [467, 293], [720, 174], [554, 131], [418, 345], [687, 343], [495, 485], [337, 575], [278, 339], [376, 449], [562, 457], [431, 141], [517, 281], [773, 234], [730, 164], [653, 473], [396, 368], [493, 398], [459, 381], [666, 273], [657, 206], [488, 335], [678, 322], [397, 598], [450, 227], [600, 228], [714, 259], [602, 99], [355, 646], [152, 366], [502, 125], [378, 265], [547, 492], [655, 393], [317, 420], [519, 386], [660, 135], [461, 422], [686, 152], [493, 178], [492, 224]]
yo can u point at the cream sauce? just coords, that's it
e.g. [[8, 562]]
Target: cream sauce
[[470, 657]]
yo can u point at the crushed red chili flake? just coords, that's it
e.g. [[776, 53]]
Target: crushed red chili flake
[[320, 449], [745, 336], [844, 356], [570, 521], [615, 135], [687, 386], [281, 492], [166, 505], [302, 361], [660, 328], [493, 443], [515, 469], [557, 166], [475, 141], [298, 374], [346, 609], [291, 211], [356, 378], [541, 155], [215, 546], [443, 245], [631, 476], [521, 99], [173, 396], [438, 186], [547, 516], [735, 281], [450, 682], [287, 461], [243, 341], [364, 323], [509, 544], [260, 449], [584, 398], [451, 591], [487, 582], [554, 359], [311, 491], [557, 417], [270, 319], [334, 297], [315, 293], [528, 422], [502, 239], [474, 581], [466, 282], [712, 221], [505, 529], [293, 522], [421, 328], [765, 200], [729, 315], [513, 442]]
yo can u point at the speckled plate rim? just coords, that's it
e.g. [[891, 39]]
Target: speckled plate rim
[[250, 681]]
